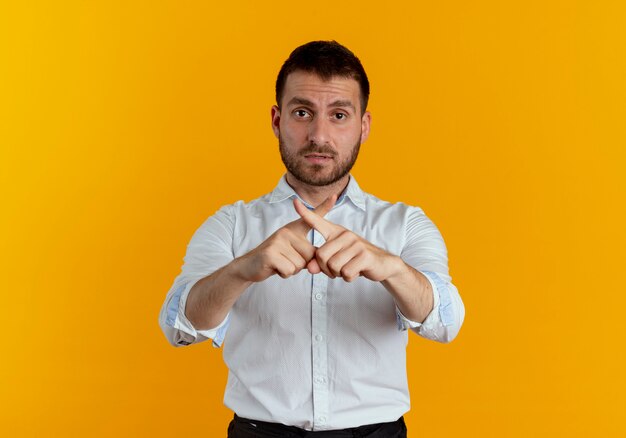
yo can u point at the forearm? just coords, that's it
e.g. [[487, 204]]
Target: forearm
[[411, 291], [211, 298]]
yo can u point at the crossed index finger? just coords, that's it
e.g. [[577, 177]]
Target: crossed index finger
[[315, 219], [302, 226]]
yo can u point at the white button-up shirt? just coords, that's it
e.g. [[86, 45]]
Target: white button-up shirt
[[311, 351]]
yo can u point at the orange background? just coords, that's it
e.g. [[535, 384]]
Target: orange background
[[123, 125]]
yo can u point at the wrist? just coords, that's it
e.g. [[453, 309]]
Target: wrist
[[396, 268], [237, 273]]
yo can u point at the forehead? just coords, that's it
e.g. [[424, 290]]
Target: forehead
[[312, 87]]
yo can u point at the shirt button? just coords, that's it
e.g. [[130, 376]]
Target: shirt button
[[318, 337], [318, 296]]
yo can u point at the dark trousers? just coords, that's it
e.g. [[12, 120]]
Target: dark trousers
[[244, 428]]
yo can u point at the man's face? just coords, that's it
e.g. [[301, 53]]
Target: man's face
[[319, 127]]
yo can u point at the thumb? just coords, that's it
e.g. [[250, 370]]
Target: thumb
[[313, 266]]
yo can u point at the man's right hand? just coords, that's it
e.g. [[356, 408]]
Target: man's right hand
[[286, 252]]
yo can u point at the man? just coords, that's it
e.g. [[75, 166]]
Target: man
[[314, 285]]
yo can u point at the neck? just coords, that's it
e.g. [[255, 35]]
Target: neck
[[315, 195]]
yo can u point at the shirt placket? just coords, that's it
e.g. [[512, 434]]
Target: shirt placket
[[319, 343]]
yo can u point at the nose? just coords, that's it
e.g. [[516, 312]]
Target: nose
[[319, 131]]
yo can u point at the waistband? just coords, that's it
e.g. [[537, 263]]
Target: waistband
[[293, 431]]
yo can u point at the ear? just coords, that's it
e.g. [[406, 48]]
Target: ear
[[366, 122], [276, 120]]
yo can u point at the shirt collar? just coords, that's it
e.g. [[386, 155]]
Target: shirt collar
[[353, 192]]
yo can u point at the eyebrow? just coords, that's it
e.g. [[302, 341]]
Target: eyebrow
[[340, 103]]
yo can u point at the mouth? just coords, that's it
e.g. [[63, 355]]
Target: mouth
[[318, 158]]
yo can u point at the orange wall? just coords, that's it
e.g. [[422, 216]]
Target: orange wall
[[123, 125]]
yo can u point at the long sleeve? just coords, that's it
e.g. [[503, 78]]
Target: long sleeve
[[426, 251], [210, 248]]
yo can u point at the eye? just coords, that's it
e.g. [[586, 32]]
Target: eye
[[301, 114], [340, 116]]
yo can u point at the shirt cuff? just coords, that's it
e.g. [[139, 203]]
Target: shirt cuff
[[185, 331], [442, 312]]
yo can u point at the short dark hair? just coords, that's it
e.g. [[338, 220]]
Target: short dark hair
[[326, 59]]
